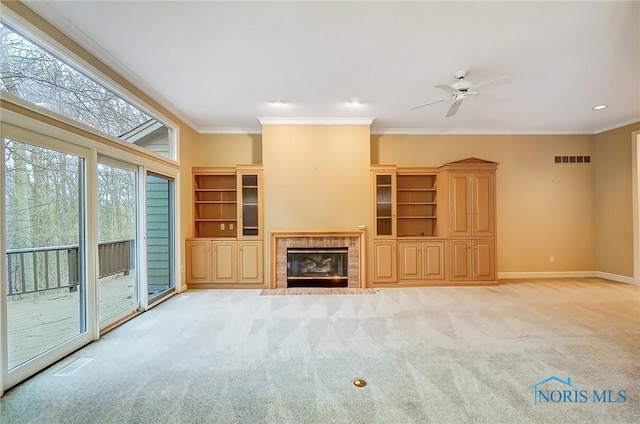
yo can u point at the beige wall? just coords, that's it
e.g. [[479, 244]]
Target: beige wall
[[544, 209], [315, 177], [578, 213], [613, 205], [220, 150]]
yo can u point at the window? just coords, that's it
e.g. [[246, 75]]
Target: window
[[34, 74]]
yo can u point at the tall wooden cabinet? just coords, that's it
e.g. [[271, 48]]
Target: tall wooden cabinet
[[434, 225], [472, 204], [228, 227], [472, 220]]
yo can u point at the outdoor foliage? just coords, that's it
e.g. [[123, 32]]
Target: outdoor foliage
[[33, 74]]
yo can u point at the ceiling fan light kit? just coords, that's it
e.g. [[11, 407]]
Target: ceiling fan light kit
[[458, 91]]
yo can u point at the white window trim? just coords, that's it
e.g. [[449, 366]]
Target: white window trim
[[129, 152]]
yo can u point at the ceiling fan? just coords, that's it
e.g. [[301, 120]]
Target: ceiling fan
[[458, 91]]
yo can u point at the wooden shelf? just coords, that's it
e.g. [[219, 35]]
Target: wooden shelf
[[215, 203], [417, 217], [416, 204]]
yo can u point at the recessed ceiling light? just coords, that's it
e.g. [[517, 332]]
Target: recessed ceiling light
[[278, 102], [599, 107], [354, 103]]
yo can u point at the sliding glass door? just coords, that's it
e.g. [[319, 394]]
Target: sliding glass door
[[117, 240], [87, 240], [160, 236], [46, 248]]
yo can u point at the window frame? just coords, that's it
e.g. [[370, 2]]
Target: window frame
[[41, 38]]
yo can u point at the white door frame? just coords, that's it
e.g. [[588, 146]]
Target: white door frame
[[635, 188]]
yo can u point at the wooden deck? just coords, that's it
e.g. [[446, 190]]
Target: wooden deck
[[37, 322]]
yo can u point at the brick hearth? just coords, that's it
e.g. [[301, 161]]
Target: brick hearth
[[281, 240]]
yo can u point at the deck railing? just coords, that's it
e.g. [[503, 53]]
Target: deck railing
[[46, 268]]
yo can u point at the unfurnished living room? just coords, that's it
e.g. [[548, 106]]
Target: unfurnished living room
[[320, 212]]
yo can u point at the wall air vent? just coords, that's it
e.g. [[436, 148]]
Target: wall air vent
[[572, 159]]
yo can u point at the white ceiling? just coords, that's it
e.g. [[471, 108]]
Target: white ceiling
[[217, 65]]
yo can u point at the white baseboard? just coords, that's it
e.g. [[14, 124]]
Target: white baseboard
[[615, 277], [558, 274], [568, 274]]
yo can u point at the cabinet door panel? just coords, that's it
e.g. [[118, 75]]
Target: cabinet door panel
[[249, 204], [460, 207], [461, 260], [483, 252], [250, 263], [198, 262], [433, 254], [384, 204], [384, 262], [225, 259], [483, 201], [410, 261]]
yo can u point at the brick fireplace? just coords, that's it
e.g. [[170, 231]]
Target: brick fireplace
[[354, 241]]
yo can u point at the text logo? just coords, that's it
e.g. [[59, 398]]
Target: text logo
[[557, 390]]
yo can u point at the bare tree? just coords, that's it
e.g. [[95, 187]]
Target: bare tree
[[34, 74]]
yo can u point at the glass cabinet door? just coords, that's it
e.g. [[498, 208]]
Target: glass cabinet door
[[384, 204], [250, 204]]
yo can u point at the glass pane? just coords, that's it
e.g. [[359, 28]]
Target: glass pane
[[38, 76], [250, 216], [250, 205], [250, 181], [384, 226], [383, 180], [384, 210], [383, 195], [117, 283], [45, 249], [159, 235]]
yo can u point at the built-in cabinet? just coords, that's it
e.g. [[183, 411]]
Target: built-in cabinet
[[472, 260], [384, 261], [228, 227], [472, 204], [421, 260], [434, 225]]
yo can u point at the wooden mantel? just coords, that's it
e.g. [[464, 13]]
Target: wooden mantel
[[295, 237]]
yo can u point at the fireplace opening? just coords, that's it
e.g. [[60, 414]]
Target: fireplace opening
[[317, 267]]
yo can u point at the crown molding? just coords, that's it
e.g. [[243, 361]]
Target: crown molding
[[402, 131], [471, 131], [315, 121], [621, 124], [228, 130]]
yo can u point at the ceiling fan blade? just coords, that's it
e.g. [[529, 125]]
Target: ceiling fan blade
[[482, 84], [447, 88], [431, 103], [453, 109]]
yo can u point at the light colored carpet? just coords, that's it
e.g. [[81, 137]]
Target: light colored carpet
[[429, 355], [305, 291]]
